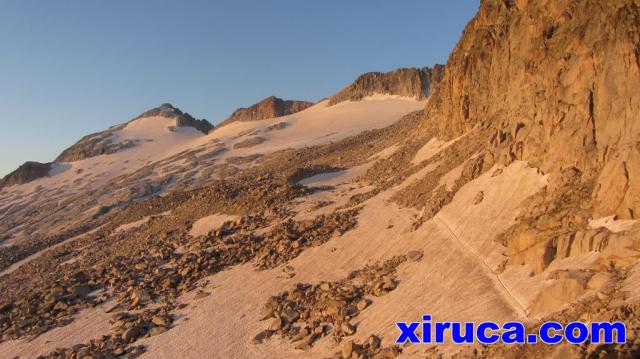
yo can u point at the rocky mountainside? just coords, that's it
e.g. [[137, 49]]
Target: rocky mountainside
[[101, 143], [27, 172], [93, 145], [270, 107], [511, 194], [146, 202], [565, 100], [406, 82], [565, 94]]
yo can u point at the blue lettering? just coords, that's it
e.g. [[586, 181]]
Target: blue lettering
[[441, 328], [544, 333], [513, 333], [570, 333], [457, 337], [407, 333], [426, 329], [608, 328], [482, 335]]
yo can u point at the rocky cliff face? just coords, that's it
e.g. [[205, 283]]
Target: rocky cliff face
[[101, 143], [270, 107], [406, 82], [27, 172], [554, 83]]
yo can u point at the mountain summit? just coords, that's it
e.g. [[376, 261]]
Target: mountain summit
[[270, 107], [183, 119], [405, 82], [103, 142]]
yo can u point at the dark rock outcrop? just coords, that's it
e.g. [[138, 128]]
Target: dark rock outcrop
[[93, 145], [101, 143], [183, 119], [27, 172], [270, 107], [407, 82]]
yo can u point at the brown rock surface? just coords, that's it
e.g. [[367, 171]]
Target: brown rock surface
[[27, 172], [270, 107], [183, 119], [249, 142], [556, 83], [306, 312], [406, 82], [528, 81]]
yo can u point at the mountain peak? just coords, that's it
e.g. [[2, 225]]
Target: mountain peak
[[183, 119], [100, 143], [269, 107], [406, 82]]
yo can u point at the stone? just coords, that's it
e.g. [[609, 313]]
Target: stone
[[389, 284], [139, 296], [362, 305], [318, 330], [82, 290], [374, 342], [306, 342], [130, 334], [261, 336], [348, 328], [290, 315], [301, 334], [275, 324], [160, 321], [414, 255], [61, 306], [267, 311], [347, 349], [201, 294], [478, 198], [334, 308]]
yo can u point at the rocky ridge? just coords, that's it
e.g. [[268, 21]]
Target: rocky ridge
[[405, 82], [27, 172], [183, 119], [270, 107]]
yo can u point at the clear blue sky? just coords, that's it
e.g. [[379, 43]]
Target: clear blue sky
[[69, 68]]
